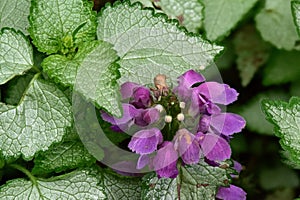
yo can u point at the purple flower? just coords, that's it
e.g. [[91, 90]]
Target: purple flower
[[143, 160], [231, 193], [165, 161], [125, 122], [138, 95], [147, 116], [214, 147], [222, 123], [145, 141], [187, 146]]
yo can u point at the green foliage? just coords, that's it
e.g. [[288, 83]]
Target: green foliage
[[80, 184], [149, 45], [120, 188], [275, 23], [194, 182], [60, 26], [220, 16], [15, 54], [62, 69], [62, 157], [282, 67], [253, 114], [14, 14], [252, 52], [36, 122], [188, 13], [286, 119], [97, 78]]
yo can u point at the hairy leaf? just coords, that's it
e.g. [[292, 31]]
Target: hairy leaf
[[81, 184], [62, 157], [121, 188], [62, 69], [149, 44], [60, 26], [15, 54], [275, 23], [194, 182], [36, 122], [14, 14], [97, 78], [286, 119], [188, 13], [220, 16]]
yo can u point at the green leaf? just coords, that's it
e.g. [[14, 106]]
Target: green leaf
[[150, 44], [97, 78], [15, 54], [286, 119], [252, 52], [253, 114], [296, 14], [117, 187], [14, 14], [60, 26], [81, 184], [189, 13], [221, 16], [194, 182], [275, 23], [62, 157], [283, 67], [63, 70], [38, 121], [16, 88]]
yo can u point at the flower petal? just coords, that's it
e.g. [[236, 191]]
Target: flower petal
[[139, 95], [187, 146], [147, 116], [218, 93], [231, 193], [165, 161], [214, 147], [127, 89], [227, 123], [143, 161], [145, 141]]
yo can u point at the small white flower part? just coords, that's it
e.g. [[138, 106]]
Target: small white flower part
[[182, 105], [202, 67], [172, 103], [168, 119], [159, 107], [180, 117]]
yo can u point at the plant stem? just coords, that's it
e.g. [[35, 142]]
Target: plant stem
[[25, 171]]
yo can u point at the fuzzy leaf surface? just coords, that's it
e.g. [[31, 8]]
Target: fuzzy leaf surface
[[220, 16], [149, 44], [97, 78], [61, 157], [188, 13], [60, 26], [275, 23], [81, 184], [36, 122], [286, 119], [63, 70], [15, 54], [121, 188], [194, 182], [14, 14]]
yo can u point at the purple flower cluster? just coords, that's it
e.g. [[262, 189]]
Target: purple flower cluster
[[193, 127]]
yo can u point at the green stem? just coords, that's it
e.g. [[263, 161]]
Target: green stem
[[36, 69], [25, 171]]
